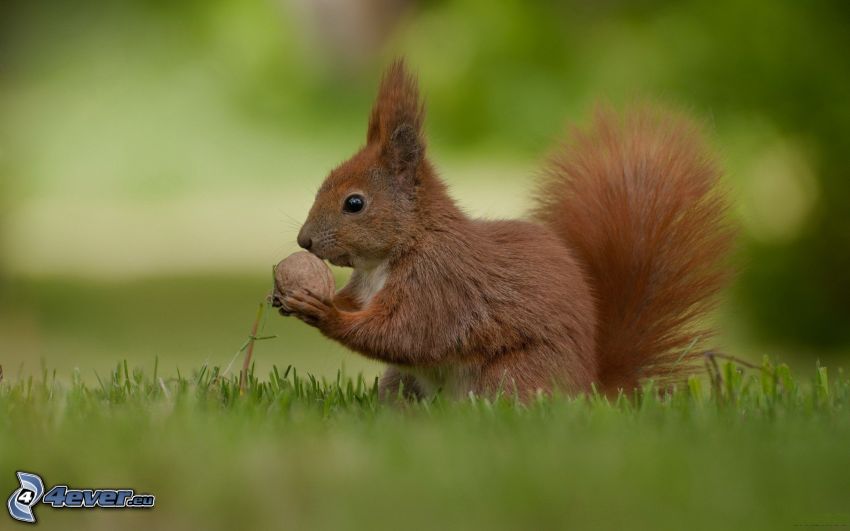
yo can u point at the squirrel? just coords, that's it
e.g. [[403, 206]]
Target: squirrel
[[605, 285]]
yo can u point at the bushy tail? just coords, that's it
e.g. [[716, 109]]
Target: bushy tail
[[637, 198]]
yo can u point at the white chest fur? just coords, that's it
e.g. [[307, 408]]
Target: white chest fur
[[369, 281]]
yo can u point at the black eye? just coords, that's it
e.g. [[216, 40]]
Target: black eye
[[354, 203]]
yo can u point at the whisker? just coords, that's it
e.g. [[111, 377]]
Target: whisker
[[290, 218]]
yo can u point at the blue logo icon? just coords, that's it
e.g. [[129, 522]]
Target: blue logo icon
[[22, 500]]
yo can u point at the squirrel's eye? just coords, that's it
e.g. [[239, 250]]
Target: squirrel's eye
[[354, 203]]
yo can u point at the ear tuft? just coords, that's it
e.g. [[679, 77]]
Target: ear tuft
[[397, 116], [404, 149]]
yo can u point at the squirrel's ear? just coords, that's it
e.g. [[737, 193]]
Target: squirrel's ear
[[403, 152], [395, 123]]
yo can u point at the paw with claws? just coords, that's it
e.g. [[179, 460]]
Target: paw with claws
[[311, 308]]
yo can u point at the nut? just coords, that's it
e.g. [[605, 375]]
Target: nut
[[303, 270]]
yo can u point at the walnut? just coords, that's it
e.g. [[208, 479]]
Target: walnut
[[302, 270]]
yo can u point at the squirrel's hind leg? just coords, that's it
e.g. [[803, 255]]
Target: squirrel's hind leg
[[525, 373], [393, 380]]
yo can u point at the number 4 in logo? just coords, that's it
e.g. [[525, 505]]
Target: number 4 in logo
[[26, 496]]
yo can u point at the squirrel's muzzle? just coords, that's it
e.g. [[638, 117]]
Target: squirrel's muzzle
[[304, 240]]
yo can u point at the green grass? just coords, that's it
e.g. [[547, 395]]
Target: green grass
[[752, 450]]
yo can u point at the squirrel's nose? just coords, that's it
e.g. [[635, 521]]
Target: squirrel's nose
[[304, 241]]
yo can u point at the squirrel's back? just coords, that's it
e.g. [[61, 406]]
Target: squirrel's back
[[637, 199]]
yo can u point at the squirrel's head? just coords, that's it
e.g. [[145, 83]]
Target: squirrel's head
[[367, 206]]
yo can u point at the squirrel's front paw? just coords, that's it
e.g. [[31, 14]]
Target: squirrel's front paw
[[276, 300], [310, 308]]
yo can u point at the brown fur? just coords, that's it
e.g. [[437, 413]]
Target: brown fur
[[464, 305], [638, 200]]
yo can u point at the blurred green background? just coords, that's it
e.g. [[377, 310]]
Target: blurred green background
[[157, 157]]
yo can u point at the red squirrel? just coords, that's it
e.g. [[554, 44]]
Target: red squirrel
[[607, 284]]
